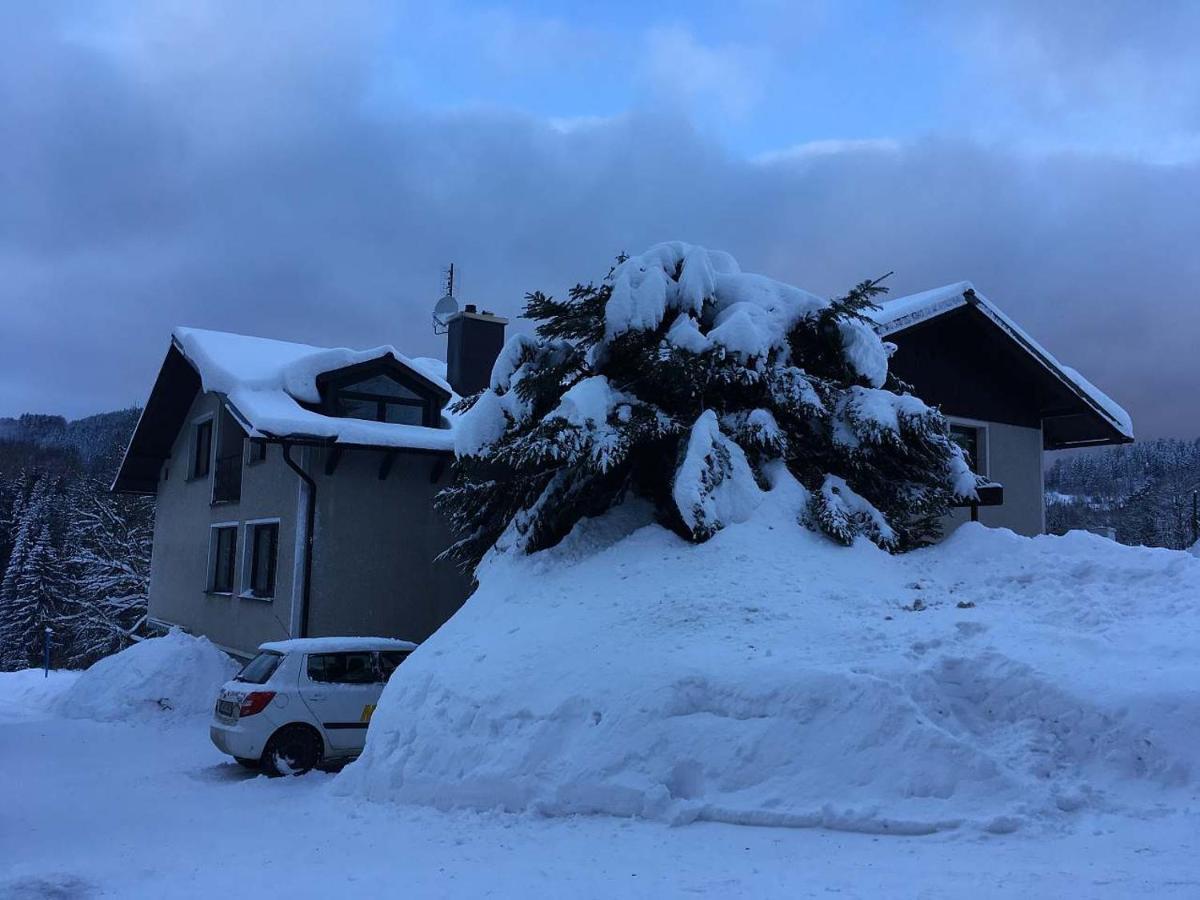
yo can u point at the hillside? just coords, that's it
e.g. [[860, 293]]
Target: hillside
[[991, 683], [93, 442], [72, 555], [1142, 491]]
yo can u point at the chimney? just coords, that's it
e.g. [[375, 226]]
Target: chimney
[[473, 341]]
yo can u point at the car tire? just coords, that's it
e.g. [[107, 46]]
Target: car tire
[[246, 763], [292, 750]]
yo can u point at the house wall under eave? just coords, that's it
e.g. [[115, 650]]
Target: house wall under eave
[[179, 566], [374, 565], [1014, 457], [972, 371]]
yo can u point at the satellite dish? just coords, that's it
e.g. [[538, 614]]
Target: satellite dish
[[447, 306], [443, 310]]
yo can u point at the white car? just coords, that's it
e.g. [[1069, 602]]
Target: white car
[[302, 702]]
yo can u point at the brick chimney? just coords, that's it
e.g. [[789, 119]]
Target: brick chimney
[[473, 341]]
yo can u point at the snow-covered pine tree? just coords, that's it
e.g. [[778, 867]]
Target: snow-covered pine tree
[[15, 494], [110, 541], [32, 588], [680, 379]]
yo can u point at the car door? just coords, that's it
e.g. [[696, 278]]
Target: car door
[[342, 689]]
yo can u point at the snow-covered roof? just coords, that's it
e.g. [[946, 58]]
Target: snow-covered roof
[[904, 312], [336, 645], [266, 382]]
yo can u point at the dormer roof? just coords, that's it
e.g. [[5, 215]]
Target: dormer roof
[[272, 388]]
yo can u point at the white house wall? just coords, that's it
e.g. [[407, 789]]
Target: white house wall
[[1014, 457], [179, 566]]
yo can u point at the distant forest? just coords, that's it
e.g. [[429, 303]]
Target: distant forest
[[1142, 491], [73, 557]]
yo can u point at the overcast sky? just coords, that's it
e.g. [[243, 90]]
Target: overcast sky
[[304, 171]]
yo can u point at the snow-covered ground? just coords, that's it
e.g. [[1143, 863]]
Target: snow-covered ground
[[1032, 704], [990, 684], [150, 809]]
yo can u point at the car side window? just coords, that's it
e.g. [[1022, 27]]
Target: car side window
[[389, 661], [343, 668]]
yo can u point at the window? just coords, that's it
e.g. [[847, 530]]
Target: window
[[201, 448], [263, 541], [389, 661], [403, 414], [343, 668], [260, 669], [381, 399], [383, 386], [971, 440], [256, 451], [223, 556]]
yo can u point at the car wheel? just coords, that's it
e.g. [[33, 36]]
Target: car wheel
[[292, 750], [248, 763]]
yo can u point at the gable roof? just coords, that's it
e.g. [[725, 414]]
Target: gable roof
[[271, 388], [895, 316]]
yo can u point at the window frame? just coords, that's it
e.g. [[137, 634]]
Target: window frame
[[387, 676], [375, 668], [214, 557], [249, 559], [382, 402], [983, 465], [194, 456], [256, 451], [339, 383]]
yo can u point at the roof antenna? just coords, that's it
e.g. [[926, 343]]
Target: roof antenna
[[445, 308]]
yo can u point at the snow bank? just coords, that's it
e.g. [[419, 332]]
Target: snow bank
[[769, 677], [30, 693], [172, 675]]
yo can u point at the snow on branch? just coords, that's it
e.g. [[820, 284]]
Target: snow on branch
[[680, 379]]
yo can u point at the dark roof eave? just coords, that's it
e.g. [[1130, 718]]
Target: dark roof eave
[[1115, 440], [312, 440], [987, 312]]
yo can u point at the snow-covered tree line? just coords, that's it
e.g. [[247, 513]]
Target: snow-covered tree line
[[73, 557], [682, 380], [1142, 491]]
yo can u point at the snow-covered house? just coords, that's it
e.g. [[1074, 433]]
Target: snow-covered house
[[294, 484], [1007, 398]]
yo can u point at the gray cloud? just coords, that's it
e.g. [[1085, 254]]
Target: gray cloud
[[1121, 74], [172, 174]]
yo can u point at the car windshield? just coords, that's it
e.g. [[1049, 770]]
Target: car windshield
[[261, 668]]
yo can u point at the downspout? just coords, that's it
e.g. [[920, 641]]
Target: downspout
[[310, 516]]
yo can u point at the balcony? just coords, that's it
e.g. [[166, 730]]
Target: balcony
[[227, 479]]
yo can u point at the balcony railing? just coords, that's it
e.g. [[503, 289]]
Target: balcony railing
[[227, 479]]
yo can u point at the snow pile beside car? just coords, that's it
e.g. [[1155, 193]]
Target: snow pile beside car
[[176, 674], [770, 677], [30, 693]]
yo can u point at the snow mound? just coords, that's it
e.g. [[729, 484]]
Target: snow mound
[[769, 677], [30, 693], [176, 674]]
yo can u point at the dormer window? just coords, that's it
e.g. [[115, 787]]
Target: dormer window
[[382, 390], [381, 399]]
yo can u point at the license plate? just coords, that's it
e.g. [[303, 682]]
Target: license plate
[[227, 708]]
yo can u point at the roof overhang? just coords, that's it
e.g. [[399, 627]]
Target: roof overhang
[[174, 389], [180, 380], [1087, 418]]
